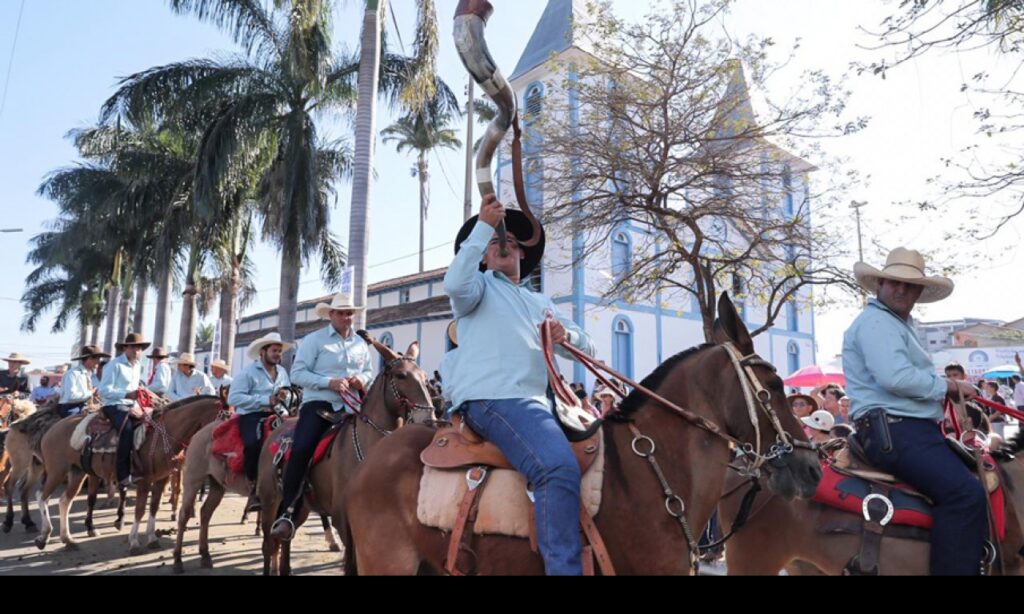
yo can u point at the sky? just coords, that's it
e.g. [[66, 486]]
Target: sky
[[69, 55]]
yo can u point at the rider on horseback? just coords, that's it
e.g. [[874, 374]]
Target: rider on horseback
[[498, 378], [76, 386], [119, 389], [897, 407]]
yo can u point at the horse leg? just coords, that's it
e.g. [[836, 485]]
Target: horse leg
[[9, 488], [152, 541], [141, 492], [112, 491], [211, 503], [176, 475], [286, 548], [188, 508], [43, 501], [75, 479], [271, 547], [122, 497], [93, 490], [332, 544], [32, 477]]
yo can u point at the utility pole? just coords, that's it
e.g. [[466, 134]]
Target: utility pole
[[856, 205]]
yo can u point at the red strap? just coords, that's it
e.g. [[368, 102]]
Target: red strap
[[1003, 409]]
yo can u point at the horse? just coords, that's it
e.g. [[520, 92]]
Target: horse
[[728, 393], [22, 462], [13, 408], [175, 424], [785, 535], [397, 396]]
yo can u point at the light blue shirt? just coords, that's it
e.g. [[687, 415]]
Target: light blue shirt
[[76, 386], [324, 355], [251, 392], [221, 382], [184, 386], [119, 379], [41, 393], [162, 379], [885, 366], [498, 328]]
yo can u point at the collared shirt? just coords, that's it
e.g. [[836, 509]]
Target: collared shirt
[[119, 379], [251, 390], [41, 393], [221, 382], [77, 385], [13, 383], [1018, 394], [324, 355], [498, 327], [184, 386], [161, 380], [886, 367]]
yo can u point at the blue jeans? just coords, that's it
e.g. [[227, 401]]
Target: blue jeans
[[308, 433], [117, 415], [921, 457], [530, 437], [251, 428]]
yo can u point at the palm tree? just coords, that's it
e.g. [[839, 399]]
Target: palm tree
[[422, 132]]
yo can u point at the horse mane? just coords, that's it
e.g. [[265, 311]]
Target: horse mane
[[22, 408], [636, 399], [183, 402]]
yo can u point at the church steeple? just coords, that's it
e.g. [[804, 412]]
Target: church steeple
[[553, 34]]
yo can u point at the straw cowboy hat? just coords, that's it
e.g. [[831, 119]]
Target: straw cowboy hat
[[133, 340], [15, 357], [908, 266], [185, 359], [220, 364], [340, 302], [159, 352], [820, 420], [518, 225], [91, 351], [253, 351]]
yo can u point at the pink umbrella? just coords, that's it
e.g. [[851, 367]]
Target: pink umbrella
[[812, 376]]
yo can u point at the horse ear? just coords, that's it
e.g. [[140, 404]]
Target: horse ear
[[382, 349], [414, 350], [729, 326]]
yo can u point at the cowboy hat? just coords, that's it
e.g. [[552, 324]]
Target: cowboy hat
[[159, 352], [91, 351], [133, 340], [185, 359], [340, 302], [220, 364], [908, 266], [253, 351], [810, 400], [518, 225], [820, 420], [15, 357]]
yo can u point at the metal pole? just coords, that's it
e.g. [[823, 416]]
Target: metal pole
[[467, 206], [856, 205]]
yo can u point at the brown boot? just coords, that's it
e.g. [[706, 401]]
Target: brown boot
[[283, 529], [252, 504]]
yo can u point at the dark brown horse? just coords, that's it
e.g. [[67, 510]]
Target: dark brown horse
[[397, 396], [784, 535], [176, 424], [383, 535]]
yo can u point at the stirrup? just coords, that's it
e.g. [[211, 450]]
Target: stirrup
[[284, 518]]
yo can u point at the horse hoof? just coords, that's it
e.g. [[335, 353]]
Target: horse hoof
[[31, 528], [135, 551], [206, 562], [71, 546], [92, 533], [154, 545], [174, 518], [7, 527], [118, 524], [335, 548], [179, 567], [40, 542]]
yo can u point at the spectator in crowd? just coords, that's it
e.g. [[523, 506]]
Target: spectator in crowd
[[802, 405], [828, 398], [818, 426], [44, 391], [997, 419]]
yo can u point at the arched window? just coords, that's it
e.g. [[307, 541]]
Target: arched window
[[621, 255], [793, 353], [787, 191], [534, 103], [387, 340], [622, 346]]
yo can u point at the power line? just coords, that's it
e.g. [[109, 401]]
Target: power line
[[10, 63]]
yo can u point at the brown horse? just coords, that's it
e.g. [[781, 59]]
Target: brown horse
[[23, 458], [176, 424], [784, 535], [397, 396], [384, 536]]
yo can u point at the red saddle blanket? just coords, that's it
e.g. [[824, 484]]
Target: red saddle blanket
[[227, 442], [847, 493], [283, 438]]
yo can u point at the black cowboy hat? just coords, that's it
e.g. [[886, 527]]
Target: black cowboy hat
[[159, 352], [91, 351], [518, 225]]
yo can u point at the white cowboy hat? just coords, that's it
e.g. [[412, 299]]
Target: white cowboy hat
[[253, 351], [185, 359], [18, 358], [220, 364], [908, 266], [820, 420], [341, 302]]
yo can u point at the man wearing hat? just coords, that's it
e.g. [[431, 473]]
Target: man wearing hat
[[498, 378], [187, 382], [77, 385], [219, 370], [259, 387], [11, 380], [802, 405], [897, 407], [329, 362], [119, 388], [161, 377]]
